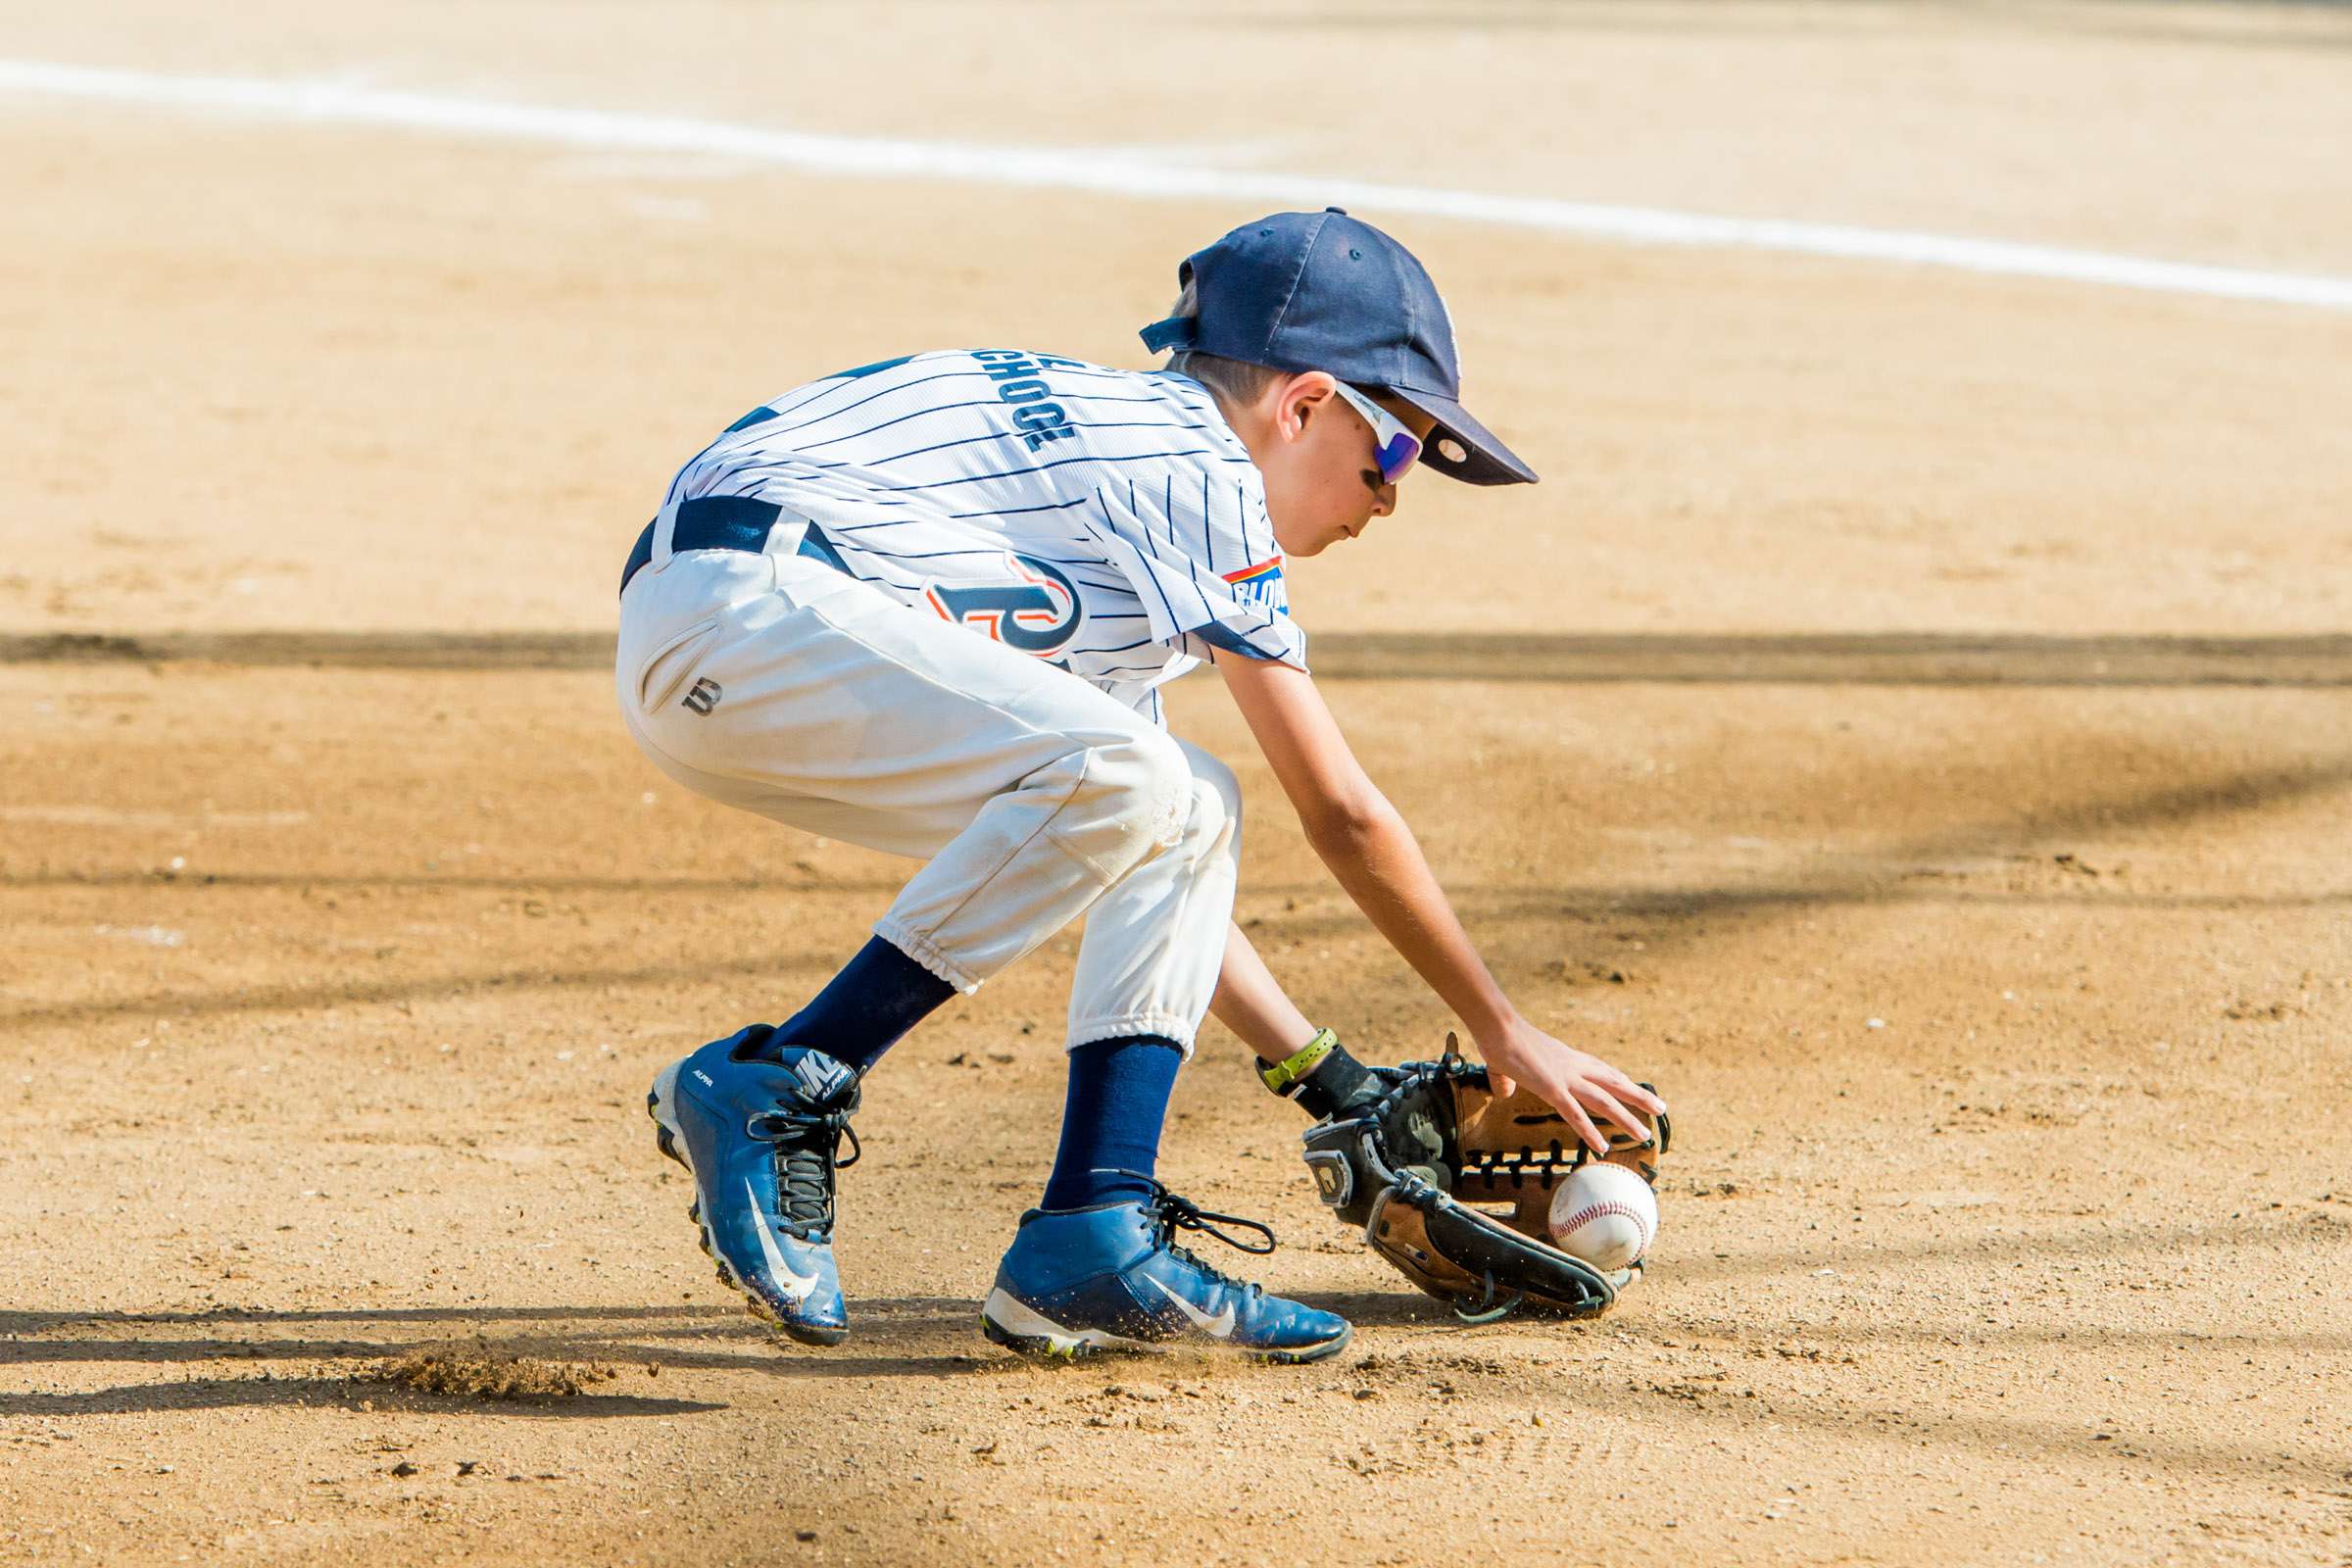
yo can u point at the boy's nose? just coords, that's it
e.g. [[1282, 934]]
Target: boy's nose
[[1384, 500]]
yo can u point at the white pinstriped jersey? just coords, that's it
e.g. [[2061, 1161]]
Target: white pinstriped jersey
[[1106, 521]]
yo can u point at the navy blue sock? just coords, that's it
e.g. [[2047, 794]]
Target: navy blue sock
[[867, 1008], [1111, 1119]]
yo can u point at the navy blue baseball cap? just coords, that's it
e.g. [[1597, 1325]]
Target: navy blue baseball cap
[[1324, 291]]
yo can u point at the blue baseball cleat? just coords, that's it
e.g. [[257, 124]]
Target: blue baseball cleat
[[1083, 1280], [761, 1139]]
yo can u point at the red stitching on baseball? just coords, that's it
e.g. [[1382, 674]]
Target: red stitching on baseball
[[1594, 1212]]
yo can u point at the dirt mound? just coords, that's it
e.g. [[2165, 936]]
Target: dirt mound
[[481, 1370]]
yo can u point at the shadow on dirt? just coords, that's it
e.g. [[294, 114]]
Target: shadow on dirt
[[923, 1337], [345, 990], [1490, 1367], [2121, 1241], [2188, 1445], [1472, 898], [305, 881], [1878, 877], [1888, 876], [2130, 23], [905, 1337], [1843, 659], [264, 1391]]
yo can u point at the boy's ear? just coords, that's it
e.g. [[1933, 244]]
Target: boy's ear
[[1301, 397]]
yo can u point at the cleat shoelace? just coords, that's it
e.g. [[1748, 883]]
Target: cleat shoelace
[[807, 1148], [1171, 1213]]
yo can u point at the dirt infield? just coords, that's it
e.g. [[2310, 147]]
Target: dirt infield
[[1909, 723]]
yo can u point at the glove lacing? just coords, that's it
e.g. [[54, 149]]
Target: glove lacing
[[1491, 1305]]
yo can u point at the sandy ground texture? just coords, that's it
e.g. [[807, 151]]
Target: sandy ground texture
[[1910, 723], [2009, 1213]]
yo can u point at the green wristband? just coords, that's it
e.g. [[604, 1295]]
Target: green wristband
[[1285, 1075]]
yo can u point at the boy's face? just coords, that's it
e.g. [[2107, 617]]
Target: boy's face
[[1318, 456]]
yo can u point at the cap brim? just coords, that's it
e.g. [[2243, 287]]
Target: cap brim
[[1485, 459]]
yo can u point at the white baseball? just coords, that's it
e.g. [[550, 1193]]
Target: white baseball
[[1606, 1215]]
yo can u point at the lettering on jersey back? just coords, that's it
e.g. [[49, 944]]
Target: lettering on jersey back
[[1020, 385], [1034, 609]]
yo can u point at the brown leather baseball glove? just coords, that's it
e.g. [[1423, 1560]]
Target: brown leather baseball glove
[[1454, 1188]]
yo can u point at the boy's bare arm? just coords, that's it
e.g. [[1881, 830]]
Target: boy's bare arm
[[1374, 855], [1251, 1003]]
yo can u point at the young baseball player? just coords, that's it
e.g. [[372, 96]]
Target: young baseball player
[[927, 606]]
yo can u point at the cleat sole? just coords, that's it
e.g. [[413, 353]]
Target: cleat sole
[[1312, 1353], [804, 1336], [1036, 1347], [1026, 1332], [665, 1138]]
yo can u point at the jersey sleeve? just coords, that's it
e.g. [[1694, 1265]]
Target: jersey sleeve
[[1202, 555]]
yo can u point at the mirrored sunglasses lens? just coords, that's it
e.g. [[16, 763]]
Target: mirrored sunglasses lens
[[1398, 456]]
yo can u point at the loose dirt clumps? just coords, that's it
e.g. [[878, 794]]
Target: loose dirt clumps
[[481, 1370]]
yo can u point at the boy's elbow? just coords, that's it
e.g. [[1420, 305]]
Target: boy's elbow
[[1341, 826]]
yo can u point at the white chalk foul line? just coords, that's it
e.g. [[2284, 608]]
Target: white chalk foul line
[[1147, 176]]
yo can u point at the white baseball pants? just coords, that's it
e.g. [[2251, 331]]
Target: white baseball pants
[[775, 684]]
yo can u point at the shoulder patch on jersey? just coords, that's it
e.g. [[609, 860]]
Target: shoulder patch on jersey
[[1260, 587]]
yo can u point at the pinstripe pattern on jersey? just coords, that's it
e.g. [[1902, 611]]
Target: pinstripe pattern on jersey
[[1141, 499]]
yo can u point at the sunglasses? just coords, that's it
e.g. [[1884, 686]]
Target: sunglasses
[[1399, 448]]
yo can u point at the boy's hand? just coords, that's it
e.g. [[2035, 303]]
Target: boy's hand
[[1575, 1082]]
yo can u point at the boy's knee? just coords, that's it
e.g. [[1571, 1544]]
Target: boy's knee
[[1132, 798], [1214, 820], [1216, 778]]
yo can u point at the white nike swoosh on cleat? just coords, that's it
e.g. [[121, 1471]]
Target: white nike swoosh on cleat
[[797, 1286], [1219, 1326]]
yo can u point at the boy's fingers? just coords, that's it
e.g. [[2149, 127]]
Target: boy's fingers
[[1635, 1094], [1607, 1106], [1575, 1115], [1629, 1093]]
